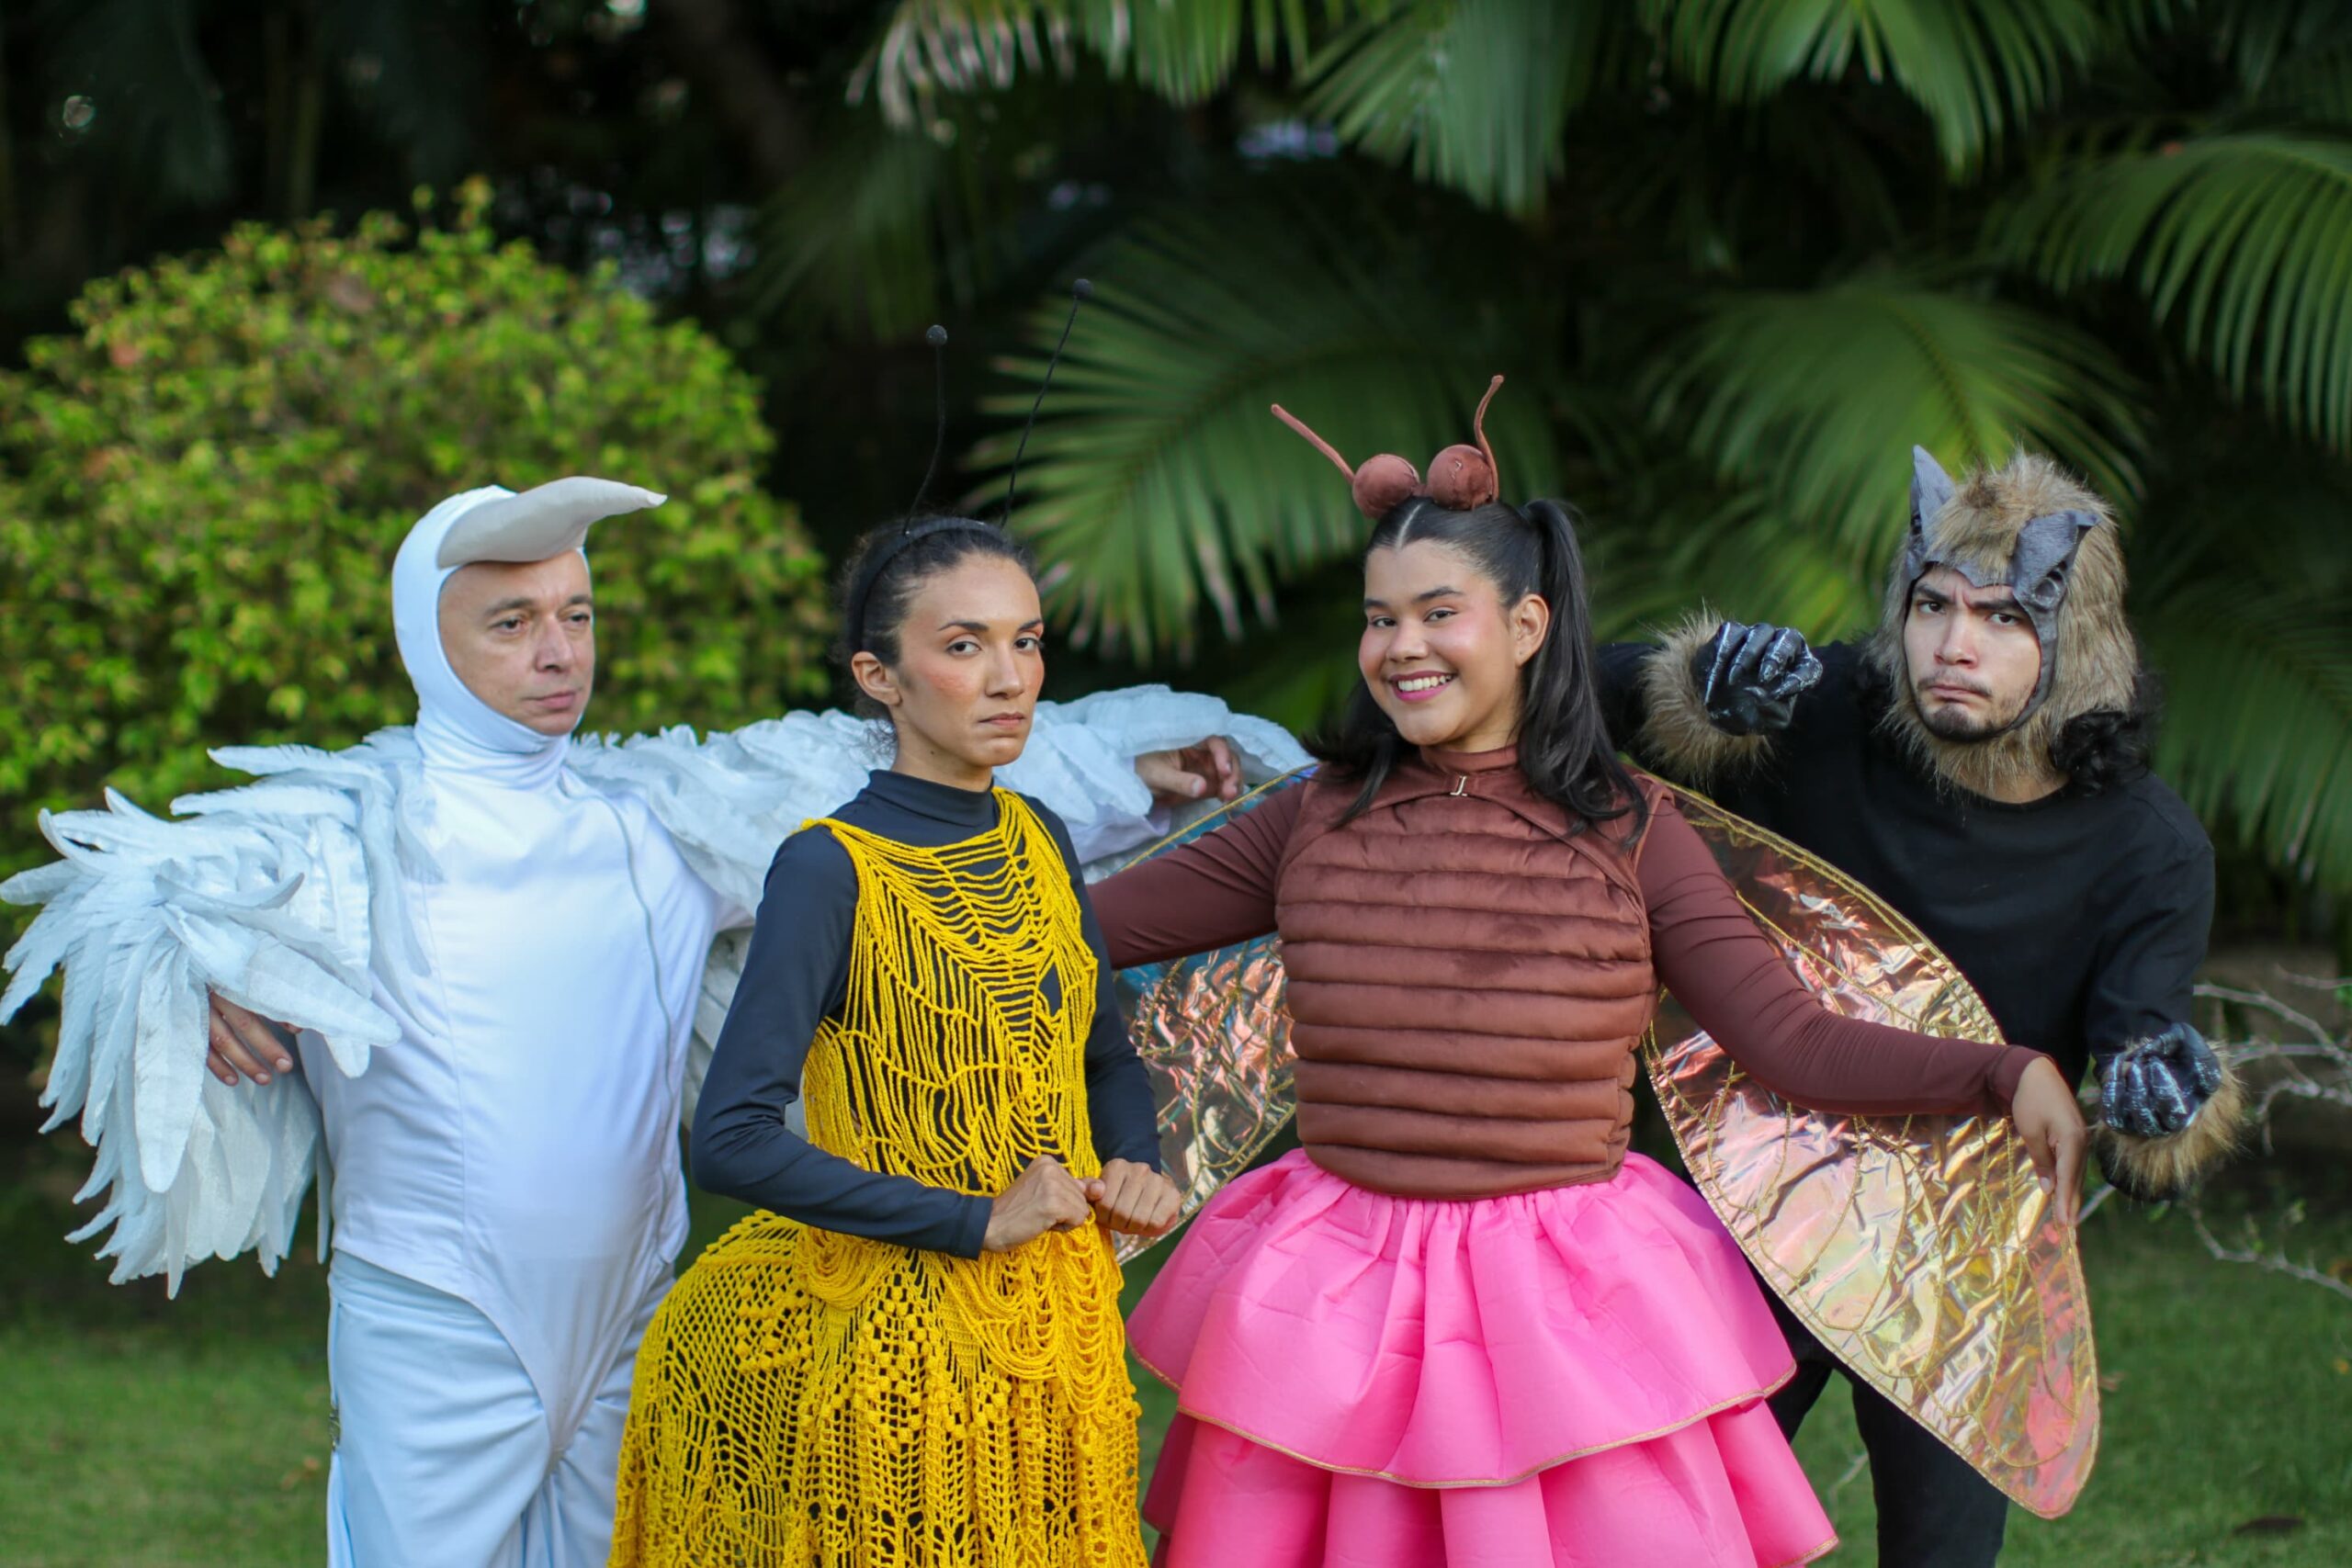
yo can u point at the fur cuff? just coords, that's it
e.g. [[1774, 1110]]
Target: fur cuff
[[2155, 1171], [1677, 740]]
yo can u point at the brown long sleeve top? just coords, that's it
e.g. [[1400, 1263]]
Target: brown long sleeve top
[[1468, 980]]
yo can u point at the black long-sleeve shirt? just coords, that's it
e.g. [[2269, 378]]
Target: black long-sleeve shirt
[[2080, 919], [796, 974]]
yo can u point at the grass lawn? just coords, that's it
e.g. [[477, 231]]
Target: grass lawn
[[140, 1433]]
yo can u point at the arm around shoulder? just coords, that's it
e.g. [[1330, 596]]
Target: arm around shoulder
[[1082, 759]]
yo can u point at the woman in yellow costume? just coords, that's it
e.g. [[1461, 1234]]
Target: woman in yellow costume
[[914, 1355]]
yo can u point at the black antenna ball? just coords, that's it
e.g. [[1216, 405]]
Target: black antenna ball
[[937, 337], [1081, 290]]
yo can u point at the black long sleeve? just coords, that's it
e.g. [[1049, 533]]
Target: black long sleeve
[[2143, 971]]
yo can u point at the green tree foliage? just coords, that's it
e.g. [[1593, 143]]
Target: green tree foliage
[[1736, 259], [201, 490]]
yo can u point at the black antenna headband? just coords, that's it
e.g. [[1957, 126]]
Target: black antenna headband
[[910, 532]]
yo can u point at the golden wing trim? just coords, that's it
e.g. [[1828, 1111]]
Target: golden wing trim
[[1920, 1250]]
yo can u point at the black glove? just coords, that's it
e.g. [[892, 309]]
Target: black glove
[[2154, 1086], [1749, 677]]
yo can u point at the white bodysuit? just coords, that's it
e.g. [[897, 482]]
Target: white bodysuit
[[516, 1152], [518, 1149]]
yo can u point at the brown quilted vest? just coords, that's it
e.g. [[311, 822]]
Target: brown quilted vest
[[1466, 983]]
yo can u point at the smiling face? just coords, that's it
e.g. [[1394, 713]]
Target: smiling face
[[963, 687], [1441, 653], [523, 638], [1972, 655]]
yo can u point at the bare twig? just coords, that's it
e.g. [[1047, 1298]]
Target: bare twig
[[2312, 1064], [2277, 1262]]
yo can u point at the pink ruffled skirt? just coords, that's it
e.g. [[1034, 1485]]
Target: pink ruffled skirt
[[1569, 1377]]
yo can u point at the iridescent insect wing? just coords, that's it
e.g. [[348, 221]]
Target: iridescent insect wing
[[1920, 1250]]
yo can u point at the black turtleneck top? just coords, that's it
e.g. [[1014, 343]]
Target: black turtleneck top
[[796, 974]]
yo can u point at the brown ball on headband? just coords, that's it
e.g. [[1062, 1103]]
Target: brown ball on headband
[[1462, 476], [1382, 484]]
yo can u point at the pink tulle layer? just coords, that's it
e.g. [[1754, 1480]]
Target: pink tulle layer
[[1573, 1376]]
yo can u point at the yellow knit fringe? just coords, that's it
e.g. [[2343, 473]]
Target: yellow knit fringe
[[807, 1399]]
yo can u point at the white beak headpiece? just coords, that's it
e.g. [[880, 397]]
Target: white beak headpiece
[[493, 523]]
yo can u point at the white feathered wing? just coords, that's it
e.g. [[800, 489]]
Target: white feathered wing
[[275, 895]]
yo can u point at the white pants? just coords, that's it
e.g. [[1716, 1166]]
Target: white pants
[[443, 1457]]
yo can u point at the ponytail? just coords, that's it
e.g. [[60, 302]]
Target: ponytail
[[1564, 746]]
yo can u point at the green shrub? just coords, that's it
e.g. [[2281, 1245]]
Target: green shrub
[[201, 492]]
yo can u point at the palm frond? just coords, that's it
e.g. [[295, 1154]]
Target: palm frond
[[2242, 240], [855, 237], [1159, 484], [1473, 94], [2295, 55], [1817, 397], [1976, 68], [927, 47], [2239, 579], [2259, 715], [1183, 52], [1736, 555]]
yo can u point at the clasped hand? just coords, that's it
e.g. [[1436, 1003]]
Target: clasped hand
[[1127, 1197]]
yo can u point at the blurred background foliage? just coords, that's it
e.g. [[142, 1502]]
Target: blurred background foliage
[[1736, 257]]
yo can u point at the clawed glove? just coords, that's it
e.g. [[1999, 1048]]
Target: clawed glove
[[2155, 1086], [1749, 677]]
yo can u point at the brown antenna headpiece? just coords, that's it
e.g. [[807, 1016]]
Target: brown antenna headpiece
[[1461, 477]]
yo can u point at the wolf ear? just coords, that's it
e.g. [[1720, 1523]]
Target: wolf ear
[[1930, 488], [2046, 557]]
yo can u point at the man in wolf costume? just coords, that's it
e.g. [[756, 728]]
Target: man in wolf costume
[[1980, 764]]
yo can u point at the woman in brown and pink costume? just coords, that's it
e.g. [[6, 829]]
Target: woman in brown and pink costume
[[1463, 1324]]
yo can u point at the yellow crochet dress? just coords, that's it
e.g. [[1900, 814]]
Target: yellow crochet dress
[[807, 1399]]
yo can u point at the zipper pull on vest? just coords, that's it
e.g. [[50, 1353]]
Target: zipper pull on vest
[[1461, 785]]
